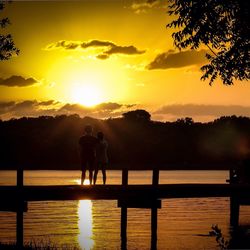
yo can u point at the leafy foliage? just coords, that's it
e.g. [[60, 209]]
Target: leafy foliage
[[7, 46], [216, 231], [223, 26], [239, 237], [137, 115]]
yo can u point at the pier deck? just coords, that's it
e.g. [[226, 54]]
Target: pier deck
[[116, 192]]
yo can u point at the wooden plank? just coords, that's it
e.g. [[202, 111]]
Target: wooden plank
[[115, 192]]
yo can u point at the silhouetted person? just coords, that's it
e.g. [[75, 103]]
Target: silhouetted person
[[88, 153], [101, 157]]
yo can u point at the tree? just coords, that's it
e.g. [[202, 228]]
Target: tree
[[221, 25], [137, 115], [185, 121], [7, 46]]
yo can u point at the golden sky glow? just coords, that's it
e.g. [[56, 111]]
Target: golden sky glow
[[92, 52]]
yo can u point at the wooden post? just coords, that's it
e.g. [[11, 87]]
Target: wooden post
[[20, 208], [155, 182], [124, 213], [19, 180], [123, 227], [19, 226], [155, 178], [125, 177], [234, 211], [154, 228]]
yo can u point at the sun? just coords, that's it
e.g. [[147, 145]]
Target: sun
[[86, 94]]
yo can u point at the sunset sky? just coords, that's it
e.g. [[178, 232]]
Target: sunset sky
[[109, 57]]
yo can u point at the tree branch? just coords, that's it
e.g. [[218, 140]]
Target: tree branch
[[211, 49]]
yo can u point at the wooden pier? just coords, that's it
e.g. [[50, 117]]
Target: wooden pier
[[16, 198]]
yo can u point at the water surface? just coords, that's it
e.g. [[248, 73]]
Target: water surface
[[182, 223]]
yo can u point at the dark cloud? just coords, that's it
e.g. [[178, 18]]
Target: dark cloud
[[109, 48], [25, 105], [17, 81], [77, 108], [130, 105], [204, 110], [63, 44], [109, 106], [96, 43], [5, 107], [169, 59], [73, 108], [35, 108], [6, 104], [102, 56], [14, 108], [48, 103], [128, 50], [72, 46]]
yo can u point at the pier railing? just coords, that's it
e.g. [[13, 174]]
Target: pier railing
[[16, 198], [155, 175]]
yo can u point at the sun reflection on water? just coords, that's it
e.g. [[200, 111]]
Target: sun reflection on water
[[85, 224], [78, 182]]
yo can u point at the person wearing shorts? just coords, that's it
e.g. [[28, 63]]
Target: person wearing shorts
[[101, 157], [87, 144]]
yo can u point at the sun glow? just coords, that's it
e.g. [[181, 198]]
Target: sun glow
[[87, 83], [87, 95]]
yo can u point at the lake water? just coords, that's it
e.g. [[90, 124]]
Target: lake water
[[85, 224]]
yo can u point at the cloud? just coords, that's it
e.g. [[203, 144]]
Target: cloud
[[25, 105], [109, 48], [143, 6], [34, 108], [128, 50], [168, 60], [63, 44], [102, 110], [48, 103], [109, 106], [96, 43], [6, 104], [183, 110], [17, 81], [102, 56], [14, 108], [5, 107]]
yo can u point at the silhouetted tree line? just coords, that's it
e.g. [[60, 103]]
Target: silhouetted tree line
[[52, 142]]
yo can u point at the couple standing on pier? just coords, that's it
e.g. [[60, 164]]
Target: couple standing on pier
[[93, 152]]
